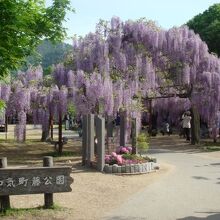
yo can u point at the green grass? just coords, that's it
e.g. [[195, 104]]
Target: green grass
[[209, 143], [211, 146], [64, 154], [28, 211]]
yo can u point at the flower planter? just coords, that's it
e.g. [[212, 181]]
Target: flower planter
[[131, 168]]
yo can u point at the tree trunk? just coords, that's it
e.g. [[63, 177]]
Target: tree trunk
[[44, 135], [51, 126], [195, 126], [60, 139], [150, 116], [6, 127]]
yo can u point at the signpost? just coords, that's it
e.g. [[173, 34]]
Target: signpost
[[47, 180]]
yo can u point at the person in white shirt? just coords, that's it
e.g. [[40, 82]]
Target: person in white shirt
[[187, 124]]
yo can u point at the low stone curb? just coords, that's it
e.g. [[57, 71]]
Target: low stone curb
[[131, 168]]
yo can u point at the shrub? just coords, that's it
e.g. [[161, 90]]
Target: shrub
[[142, 142]]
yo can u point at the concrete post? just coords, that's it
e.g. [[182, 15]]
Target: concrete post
[[91, 134], [100, 123], [84, 139]]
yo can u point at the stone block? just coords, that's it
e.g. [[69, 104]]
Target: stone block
[[119, 169], [144, 168], [127, 168], [132, 168], [110, 169], [140, 167], [123, 170], [136, 168], [114, 168], [106, 168]]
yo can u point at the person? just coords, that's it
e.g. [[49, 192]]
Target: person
[[181, 132], [187, 124], [66, 118], [166, 128]]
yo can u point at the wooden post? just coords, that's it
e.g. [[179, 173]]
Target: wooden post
[[150, 116], [4, 200], [84, 139], [60, 135], [91, 135], [122, 127], [48, 197], [134, 134], [100, 123], [6, 127], [51, 127]]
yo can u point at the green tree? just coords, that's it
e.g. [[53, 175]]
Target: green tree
[[48, 54], [207, 25], [24, 24]]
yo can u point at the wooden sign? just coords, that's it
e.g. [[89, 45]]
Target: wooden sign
[[18, 181]]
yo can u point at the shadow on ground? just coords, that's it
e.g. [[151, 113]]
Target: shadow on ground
[[173, 143], [215, 216], [212, 216], [125, 218]]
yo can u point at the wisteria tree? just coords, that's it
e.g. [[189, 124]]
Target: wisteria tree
[[142, 60], [21, 96]]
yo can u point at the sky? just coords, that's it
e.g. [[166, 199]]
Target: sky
[[167, 13]]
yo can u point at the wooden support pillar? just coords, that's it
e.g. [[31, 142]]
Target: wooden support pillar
[[48, 197], [150, 116], [51, 126], [4, 200], [6, 127], [134, 134], [122, 127]]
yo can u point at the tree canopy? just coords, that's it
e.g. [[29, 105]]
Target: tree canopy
[[207, 25], [48, 54], [24, 24]]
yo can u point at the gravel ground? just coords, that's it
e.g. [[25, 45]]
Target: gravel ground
[[93, 194]]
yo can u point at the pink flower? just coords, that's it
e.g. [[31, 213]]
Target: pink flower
[[114, 154], [124, 150], [118, 150], [107, 158], [119, 159], [129, 149]]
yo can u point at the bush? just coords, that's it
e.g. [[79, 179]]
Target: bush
[[142, 142]]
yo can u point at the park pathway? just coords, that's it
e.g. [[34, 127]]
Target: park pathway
[[190, 191]]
